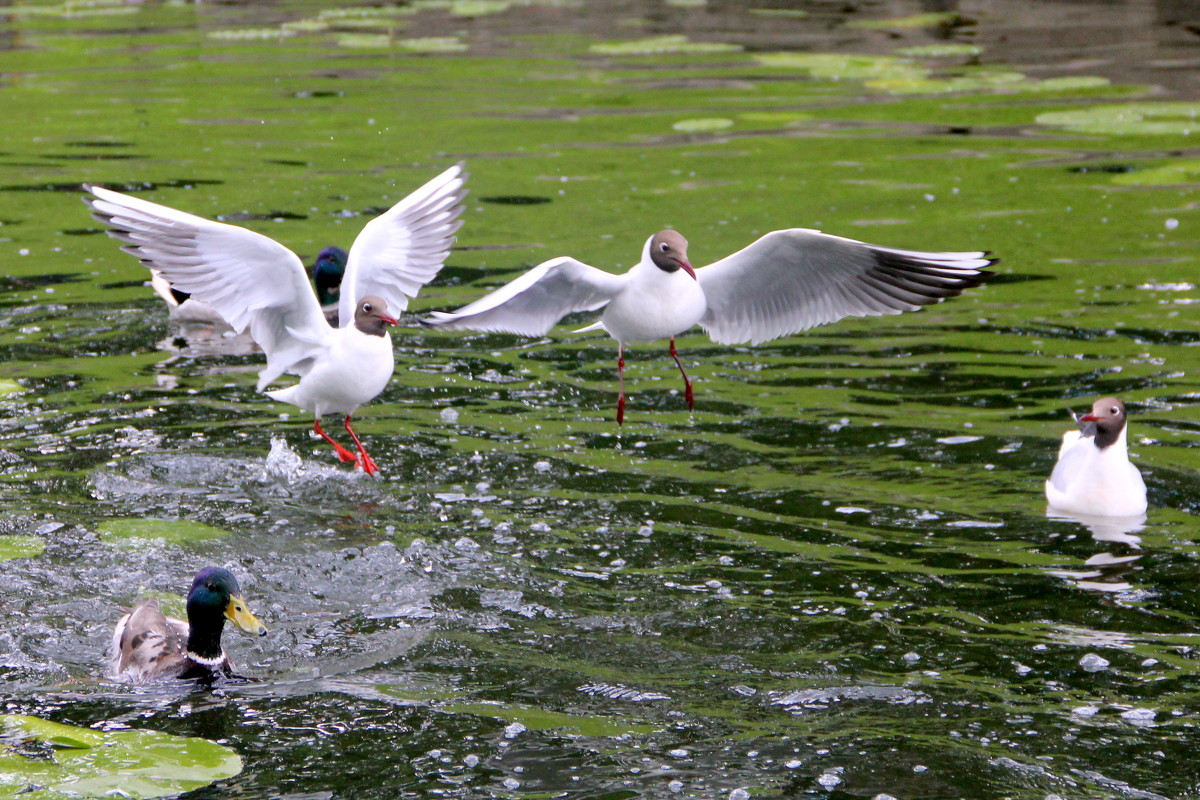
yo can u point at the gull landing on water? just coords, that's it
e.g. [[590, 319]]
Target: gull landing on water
[[786, 282], [254, 282]]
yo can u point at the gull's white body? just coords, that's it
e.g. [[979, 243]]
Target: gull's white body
[[652, 304], [1094, 481], [354, 369]]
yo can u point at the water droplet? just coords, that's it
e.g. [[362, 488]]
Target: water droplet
[[1093, 663]]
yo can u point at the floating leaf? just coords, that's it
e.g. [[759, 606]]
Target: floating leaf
[[845, 66], [702, 125], [364, 40], [674, 43], [306, 25], [478, 8], [433, 44], [251, 34], [1172, 174], [366, 11], [135, 532], [940, 50], [1129, 118], [89, 763], [934, 19], [779, 12], [13, 547]]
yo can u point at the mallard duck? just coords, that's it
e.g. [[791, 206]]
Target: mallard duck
[[1094, 474], [327, 272], [148, 645]]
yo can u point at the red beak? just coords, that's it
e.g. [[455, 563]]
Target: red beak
[[1089, 418], [388, 320], [688, 269]]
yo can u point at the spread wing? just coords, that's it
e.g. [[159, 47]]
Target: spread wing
[[402, 249], [252, 281], [531, 304], [795, 279]]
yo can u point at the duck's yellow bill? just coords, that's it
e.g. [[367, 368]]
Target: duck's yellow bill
[[239, 614]]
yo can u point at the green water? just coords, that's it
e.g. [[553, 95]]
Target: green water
[[835, 578]]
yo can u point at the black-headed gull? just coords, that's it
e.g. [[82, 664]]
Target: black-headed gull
[[254, 282], [784, 283], [1093, 475]]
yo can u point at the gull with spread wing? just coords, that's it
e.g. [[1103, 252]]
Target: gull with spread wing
[[786, 282], [255, 283]]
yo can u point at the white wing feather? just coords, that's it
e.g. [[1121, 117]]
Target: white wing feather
[[403, 249], [795, 279], [251, 280], [534, 302]]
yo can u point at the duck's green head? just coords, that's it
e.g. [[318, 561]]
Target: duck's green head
[[328, 270], [215, 595]]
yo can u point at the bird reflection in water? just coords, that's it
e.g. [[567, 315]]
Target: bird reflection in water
[[1121, 547]]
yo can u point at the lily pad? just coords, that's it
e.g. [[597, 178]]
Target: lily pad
[[433, 44], [847, 66], [702, 125], [794, 13], [86, 763], [934, 19], [1129, 118], [948, 50], [654, 45], [1171, 174], [251, 34], [135, 532], [478, 8], [13, 547]]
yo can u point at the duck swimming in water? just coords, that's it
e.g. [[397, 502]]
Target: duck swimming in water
[[148, 645]]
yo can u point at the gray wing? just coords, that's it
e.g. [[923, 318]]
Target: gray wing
[[403, 249], [249, 279], [531, 304], [795, 279]]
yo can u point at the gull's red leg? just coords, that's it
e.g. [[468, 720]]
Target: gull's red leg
[[621, 383], [364, 460], [342, 453], [687, 384]]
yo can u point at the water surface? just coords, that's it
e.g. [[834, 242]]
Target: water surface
[[835, 578]]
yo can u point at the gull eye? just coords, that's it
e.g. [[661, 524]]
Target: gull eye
[[664, 247], [1115, 411], [366, 308]]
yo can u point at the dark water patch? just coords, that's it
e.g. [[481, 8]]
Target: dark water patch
[[95, 156], [99, 143], [515, 200], [1114, 169], [270, 216]]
